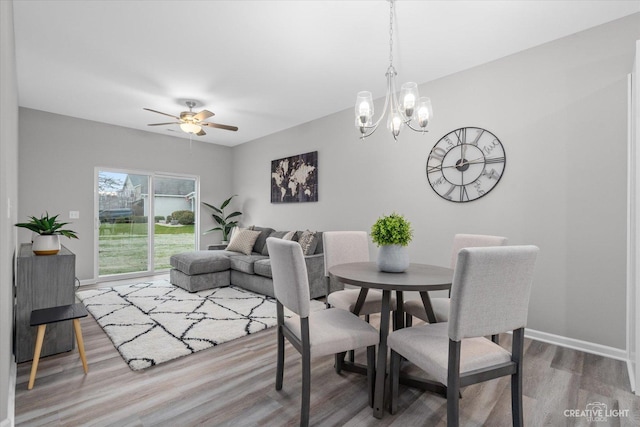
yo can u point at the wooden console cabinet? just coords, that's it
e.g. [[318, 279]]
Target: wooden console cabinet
[[42, 282]]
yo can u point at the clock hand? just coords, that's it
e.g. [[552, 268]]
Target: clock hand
[[470, 162]]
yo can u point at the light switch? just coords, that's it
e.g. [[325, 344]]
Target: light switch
[[74, 214]]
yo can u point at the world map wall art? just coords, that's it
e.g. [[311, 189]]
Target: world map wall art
[[295, 179]]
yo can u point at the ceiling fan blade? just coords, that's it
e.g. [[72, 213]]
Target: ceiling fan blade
[[162, 124], [219, 126], [160, 112], [202, 132], [203, 115]]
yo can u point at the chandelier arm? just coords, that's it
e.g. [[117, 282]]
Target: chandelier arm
[[408, 124]]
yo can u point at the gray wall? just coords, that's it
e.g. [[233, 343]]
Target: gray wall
[[58, 155], [559, 109], [8, 203]]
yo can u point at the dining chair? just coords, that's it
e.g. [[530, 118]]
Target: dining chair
[[312, 334], [415, 307], [342, 247], [489, 295]]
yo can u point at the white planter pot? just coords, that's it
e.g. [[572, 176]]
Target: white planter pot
[[393, 258], [46, 244]]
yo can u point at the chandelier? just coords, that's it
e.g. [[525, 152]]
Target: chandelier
[[410, 109]]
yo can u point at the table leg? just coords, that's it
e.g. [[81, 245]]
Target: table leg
[[360, 301], [426, 301], [381, 365]]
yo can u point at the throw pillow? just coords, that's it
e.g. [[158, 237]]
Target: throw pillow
[[262, 238], [289, 236], [276, 235], [243, 241], [308, 242]]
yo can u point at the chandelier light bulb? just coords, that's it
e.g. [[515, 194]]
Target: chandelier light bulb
[[408, 97], [425, 112], [395, 123]]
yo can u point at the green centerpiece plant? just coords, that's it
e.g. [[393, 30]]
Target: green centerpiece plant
[[225, 224], [49, 231], [392, 233]]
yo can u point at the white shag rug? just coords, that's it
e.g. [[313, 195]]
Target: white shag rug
[[154, 322]]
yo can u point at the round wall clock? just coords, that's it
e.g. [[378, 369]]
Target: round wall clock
[[465, 164]]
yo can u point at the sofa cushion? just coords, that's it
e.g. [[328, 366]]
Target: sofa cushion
[[263, 268], [308, 241], [243, 241], [244, 263], [286, 235], [199, 262], [262, 238]]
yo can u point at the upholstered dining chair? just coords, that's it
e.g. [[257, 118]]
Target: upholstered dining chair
[[313, 334], [342, 247], [489, 295], [415, 307]]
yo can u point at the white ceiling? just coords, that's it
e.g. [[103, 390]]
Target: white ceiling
[[264, 65]]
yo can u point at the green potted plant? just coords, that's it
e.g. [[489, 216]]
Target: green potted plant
[[47, 242], [392, 233], [223, 221]]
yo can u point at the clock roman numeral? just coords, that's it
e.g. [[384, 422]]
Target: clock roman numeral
[[437, 168], [438, 153], [475, 141], [494, 160], [463, 194], [447, 195], [461, 134]]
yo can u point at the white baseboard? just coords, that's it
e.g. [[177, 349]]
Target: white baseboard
[[587, 347], [11, 398]]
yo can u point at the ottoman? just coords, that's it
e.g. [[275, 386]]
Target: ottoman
[[196, 271]]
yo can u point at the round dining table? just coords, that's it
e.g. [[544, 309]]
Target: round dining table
[[420, 278]]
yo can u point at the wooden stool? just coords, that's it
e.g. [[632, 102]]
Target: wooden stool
[[41, 318]]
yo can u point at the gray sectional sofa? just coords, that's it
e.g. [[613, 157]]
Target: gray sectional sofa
[[199, 270]]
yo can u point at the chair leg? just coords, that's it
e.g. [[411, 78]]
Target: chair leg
[[306, 387], [36, 355], [453, 385], [339, 362], [408, 320], [495, 338], [394, 380], [280, 361], [371, 372], [516, 379]]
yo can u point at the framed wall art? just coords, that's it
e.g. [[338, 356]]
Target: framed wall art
[[295, 179]]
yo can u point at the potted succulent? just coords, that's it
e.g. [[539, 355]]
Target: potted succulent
[[222, 220], [392, 233], [47, 242]]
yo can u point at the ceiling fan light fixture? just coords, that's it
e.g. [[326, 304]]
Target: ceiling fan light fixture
[[190, 128]]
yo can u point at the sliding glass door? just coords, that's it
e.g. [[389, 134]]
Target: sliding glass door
[[142, 219]]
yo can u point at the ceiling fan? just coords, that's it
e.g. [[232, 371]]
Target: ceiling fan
[[192, 122]]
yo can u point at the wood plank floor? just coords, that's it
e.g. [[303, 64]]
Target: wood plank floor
[[233, 385]]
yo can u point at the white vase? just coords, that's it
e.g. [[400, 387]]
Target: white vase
[[393, 258], [46, 244]]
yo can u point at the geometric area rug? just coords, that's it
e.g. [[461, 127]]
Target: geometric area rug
[[154, 322]]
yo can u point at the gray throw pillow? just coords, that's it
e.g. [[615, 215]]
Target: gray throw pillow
[[262, 238], [275, 234], [308, 241]]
